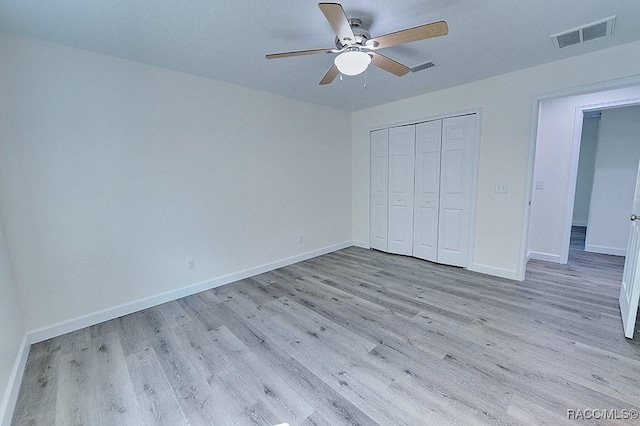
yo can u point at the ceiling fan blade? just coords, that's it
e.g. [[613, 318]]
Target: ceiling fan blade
[[330, 75], [338, 20], [298, 53], [434, 29], [388, 64]]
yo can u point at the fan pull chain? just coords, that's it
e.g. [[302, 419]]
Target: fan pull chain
[[340, 76], [365, 79]]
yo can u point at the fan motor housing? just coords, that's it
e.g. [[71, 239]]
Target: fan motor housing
[[362, 35]]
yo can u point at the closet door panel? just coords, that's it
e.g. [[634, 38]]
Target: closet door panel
[[457, 163], [427, 190], [454, 161], [379, 189], [452, 222], [401, 189]]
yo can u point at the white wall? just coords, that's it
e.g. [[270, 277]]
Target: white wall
[[11, 328], [506, 102], [553, 161], [614, 181], [586, 168], [114, 173]]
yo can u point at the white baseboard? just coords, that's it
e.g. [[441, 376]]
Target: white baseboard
[[547, 257], [615, 251], [8, 403], [497, 272], [74, 324], [361, 244], [579, 223]]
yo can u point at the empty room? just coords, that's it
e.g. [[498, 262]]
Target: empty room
[[302, 213]]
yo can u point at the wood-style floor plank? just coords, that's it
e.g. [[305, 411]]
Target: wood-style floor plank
[[154, 394], [95, 387], [354, 337]]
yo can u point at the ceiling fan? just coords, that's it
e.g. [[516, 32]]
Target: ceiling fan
[[356, 49]]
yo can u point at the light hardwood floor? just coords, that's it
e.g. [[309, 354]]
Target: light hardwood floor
[[356, 337]]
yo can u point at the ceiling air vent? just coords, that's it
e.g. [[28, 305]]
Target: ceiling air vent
[[423, 66], [584, 33], [568, 39]]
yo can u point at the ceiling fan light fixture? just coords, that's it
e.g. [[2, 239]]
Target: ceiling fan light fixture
[[352, 62], [355, 47]]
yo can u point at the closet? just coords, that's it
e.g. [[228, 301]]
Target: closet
[[422, 180]]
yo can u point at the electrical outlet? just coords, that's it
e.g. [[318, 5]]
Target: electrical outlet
[[191, 264], [300, 239], [540, 184]]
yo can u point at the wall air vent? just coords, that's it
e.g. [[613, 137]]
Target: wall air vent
[[592, 31], [423, 66]]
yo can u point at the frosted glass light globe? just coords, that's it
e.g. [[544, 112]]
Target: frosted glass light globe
[[352, 62]]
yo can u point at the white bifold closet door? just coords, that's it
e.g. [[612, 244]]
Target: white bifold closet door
[[379, 188], [401, 193], [457, 160], [427, 193], [422, 179], [445, 151]]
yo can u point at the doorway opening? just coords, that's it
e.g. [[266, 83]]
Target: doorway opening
[[584, 182], [558, 185], [605, 183]]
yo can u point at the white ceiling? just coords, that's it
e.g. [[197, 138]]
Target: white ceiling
[[227, 40]]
